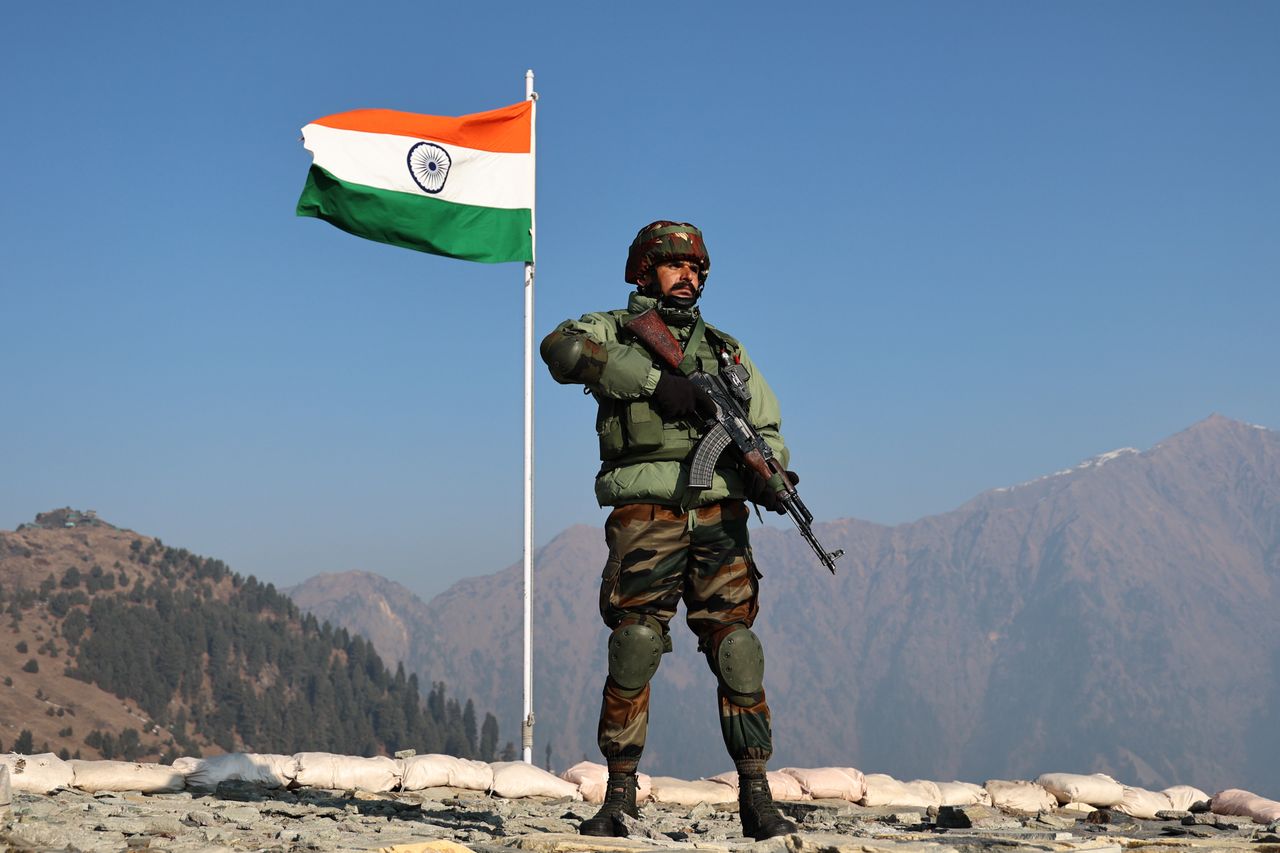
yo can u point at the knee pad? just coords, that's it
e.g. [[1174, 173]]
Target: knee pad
[[635, 650], [739, 664]]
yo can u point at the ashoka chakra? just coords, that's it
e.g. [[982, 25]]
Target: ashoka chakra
[[429, 165]]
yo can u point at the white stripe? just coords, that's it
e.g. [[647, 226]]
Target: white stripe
[[381, 160]]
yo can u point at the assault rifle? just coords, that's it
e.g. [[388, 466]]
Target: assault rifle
[[729, 425]]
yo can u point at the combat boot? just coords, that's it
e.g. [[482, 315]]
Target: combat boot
[[619, 799], [760, 817]]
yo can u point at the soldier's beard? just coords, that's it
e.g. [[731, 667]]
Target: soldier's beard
[[683, 303]]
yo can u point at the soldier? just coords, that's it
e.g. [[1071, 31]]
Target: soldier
[[667, 543]]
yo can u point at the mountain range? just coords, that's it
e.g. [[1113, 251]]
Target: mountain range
[[1115, 617]]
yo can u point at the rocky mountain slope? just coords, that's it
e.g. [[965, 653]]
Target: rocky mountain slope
[[386, 611], [1116, 617]]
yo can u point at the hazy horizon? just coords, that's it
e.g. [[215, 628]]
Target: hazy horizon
[[426, 593]]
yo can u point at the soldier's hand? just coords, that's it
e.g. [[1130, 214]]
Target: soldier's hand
[[677, 398], [762, 495]]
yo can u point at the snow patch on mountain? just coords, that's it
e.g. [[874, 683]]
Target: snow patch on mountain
[[1103, 458], [1092, 462]]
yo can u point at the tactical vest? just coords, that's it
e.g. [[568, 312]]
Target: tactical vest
[[630, 431]]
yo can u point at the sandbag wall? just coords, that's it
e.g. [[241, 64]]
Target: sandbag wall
[[45, 773]]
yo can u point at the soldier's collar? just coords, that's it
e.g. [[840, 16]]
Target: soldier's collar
[[638, 303]]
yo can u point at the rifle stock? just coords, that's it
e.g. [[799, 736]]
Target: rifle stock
[[652, 331]]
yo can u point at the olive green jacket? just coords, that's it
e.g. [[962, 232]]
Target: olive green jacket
[[632, 434]]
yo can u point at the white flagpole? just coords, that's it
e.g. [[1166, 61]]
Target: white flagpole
[[526, 728]]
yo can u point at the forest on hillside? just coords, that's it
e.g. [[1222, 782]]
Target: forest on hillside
[[228, 662]]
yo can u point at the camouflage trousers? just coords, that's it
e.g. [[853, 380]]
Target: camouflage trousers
[[657, 558]]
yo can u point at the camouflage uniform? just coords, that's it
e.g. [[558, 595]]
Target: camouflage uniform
[[656, 558], [667, 542]]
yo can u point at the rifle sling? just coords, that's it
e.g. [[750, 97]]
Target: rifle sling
[[689, 365]]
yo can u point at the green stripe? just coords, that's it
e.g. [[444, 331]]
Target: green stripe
[[488, 234]]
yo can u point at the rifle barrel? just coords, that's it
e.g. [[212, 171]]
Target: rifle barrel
[[827, 558]]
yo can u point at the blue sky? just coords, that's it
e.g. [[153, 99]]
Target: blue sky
[[968, 244]]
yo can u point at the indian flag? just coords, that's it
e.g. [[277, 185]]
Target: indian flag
[[461, 187]]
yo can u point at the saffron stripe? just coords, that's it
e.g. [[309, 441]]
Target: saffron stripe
[[507, 129]]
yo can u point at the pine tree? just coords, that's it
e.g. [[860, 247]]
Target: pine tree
[[469, 727], [130, 744], [436, 702], [489, 738], [24, 745]]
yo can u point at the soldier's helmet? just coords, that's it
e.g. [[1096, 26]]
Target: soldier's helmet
[[665, 240]]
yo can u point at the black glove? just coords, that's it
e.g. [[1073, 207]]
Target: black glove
[[677, 398], [762, 495]]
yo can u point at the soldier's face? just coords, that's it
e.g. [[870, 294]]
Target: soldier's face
[[677, 278]]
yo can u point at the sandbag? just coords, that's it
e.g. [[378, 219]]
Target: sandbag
[[93, 776], [1020, 796], [963, 794], [679, 792], [38, 774], [781, 785], [1097, 789], [438, 771], [186, 765], [1185, 796], [784, 786], [730, 779], [345, 772], [267, 770], [592, 779], [1234, 801], [515, 779], [884, 790], [829, 783], [1079, 808], [1139, 802]]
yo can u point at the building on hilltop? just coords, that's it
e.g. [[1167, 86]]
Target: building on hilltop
[[65, 517]]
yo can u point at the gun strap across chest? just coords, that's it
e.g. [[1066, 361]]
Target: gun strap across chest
[[689, 364]]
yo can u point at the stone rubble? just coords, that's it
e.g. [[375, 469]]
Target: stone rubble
[[241, 816]]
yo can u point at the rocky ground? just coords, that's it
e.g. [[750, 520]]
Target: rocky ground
[[240, 816]]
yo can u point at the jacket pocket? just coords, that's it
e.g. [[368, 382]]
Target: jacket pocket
[[644, 427], [609, 431]]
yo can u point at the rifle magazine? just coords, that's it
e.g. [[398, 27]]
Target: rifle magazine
[[702, 468]]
